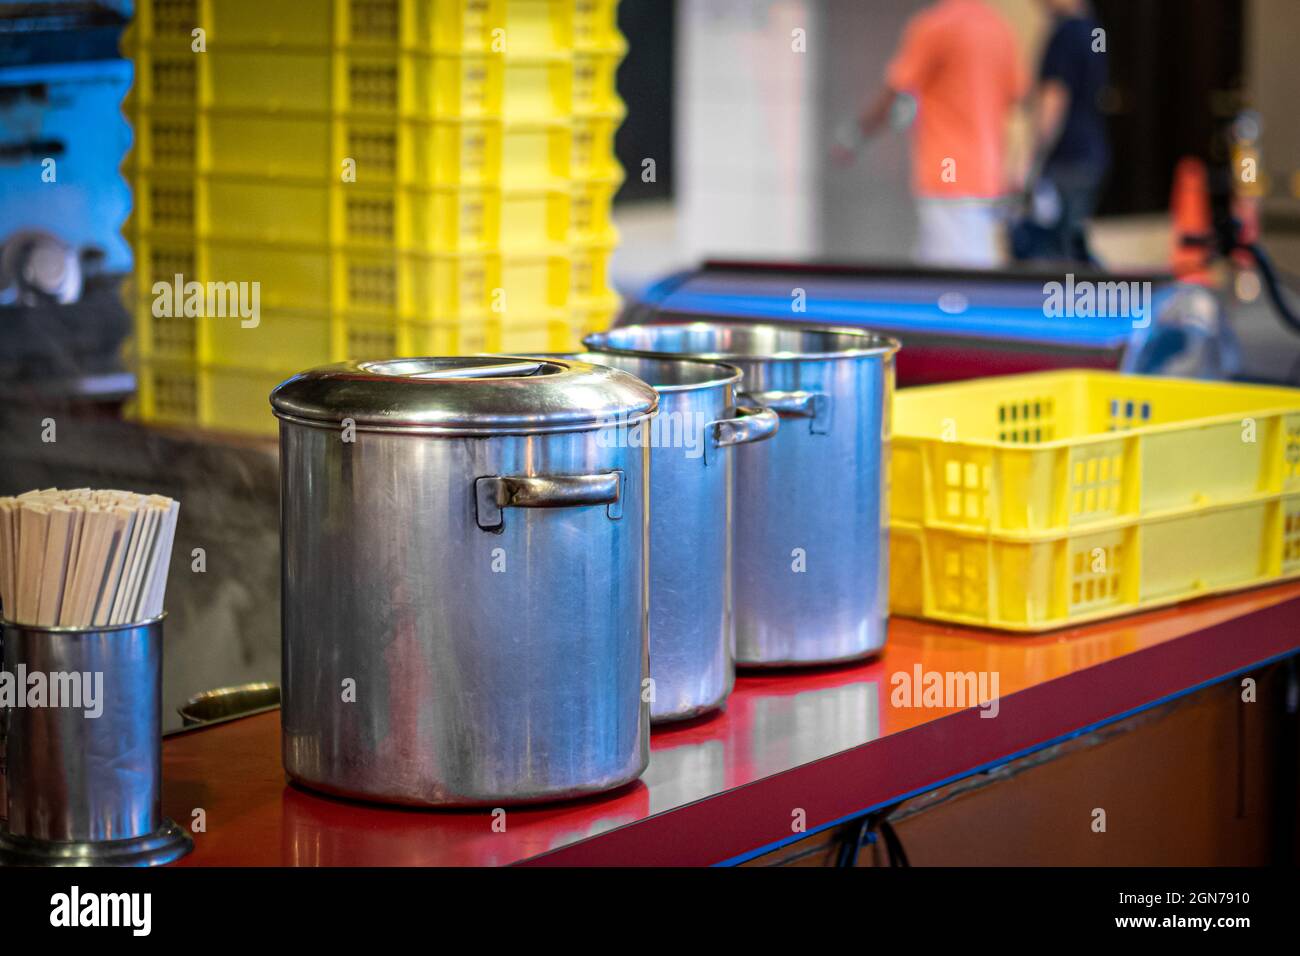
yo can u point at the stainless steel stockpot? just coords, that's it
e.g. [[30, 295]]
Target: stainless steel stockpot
[[692, 635], [464, 579], [809, 528]]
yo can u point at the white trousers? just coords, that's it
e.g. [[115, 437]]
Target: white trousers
[[959, 232]]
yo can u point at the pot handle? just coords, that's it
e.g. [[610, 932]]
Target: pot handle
[[813, 405], [748, 423], [494, 493]]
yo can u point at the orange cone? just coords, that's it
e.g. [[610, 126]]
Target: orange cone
[[1189, 214]]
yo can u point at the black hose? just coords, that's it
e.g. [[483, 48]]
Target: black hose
[[864, 830], [897, 855], [860, 831], [1273, 285]]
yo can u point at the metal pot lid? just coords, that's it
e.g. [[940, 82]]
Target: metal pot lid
[[479, 394], [736, 341], [675, 373]]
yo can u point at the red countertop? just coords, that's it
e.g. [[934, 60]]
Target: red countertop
[[822, 745]]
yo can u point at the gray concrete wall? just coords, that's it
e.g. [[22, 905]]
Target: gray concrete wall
[[223, 624]]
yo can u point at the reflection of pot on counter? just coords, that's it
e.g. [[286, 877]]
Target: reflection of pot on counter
[[685, 773], [464, 579], [774, 729], [617, 812]]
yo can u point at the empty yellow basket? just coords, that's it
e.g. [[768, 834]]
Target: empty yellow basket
[[1033, 501]]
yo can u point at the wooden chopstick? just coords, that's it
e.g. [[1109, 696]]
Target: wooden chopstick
[[84, 557], [54, 574]]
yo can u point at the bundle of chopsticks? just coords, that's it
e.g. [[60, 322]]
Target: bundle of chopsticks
[[84, 558]]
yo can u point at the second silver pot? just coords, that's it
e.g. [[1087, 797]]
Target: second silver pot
[[692, 625]]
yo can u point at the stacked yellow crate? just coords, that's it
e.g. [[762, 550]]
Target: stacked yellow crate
[[597, 112], [398, 177], [1031, 502]]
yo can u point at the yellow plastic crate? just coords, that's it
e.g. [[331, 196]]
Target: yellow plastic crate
[[232, 395], [166, 392], [491, 153], [421, 25], [359, 339], [595, 315], [383, 24], [165, 138], [590, 272], [293, 80], [1050, 452], [471, 219], [544, 335], [464, 25], [594, 89], [170, 338], [531, 154], [538, 26], [277, 210], [397, 285], [305, 81], [376, 150], [1045, 583], [593, 156], [225, 399], [277, 338], [532, 283], [481, 135], [165, 80], [162, 20], [520, 26], [492, 85], [591, 218], [595, 24], [387, 24]]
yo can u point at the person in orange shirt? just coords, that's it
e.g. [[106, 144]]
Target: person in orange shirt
[[960, 61]]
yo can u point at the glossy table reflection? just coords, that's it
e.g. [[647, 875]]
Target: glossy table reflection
[[826, 744]]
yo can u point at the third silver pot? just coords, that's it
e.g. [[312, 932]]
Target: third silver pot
[[810, 531]]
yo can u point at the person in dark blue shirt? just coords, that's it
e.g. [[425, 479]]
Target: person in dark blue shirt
[[1071, 152]]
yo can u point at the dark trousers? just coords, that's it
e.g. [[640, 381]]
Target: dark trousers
[[1067, 239]]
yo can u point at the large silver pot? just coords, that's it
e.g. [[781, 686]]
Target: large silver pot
[[692, 634], [810, 531], [464, 581]]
